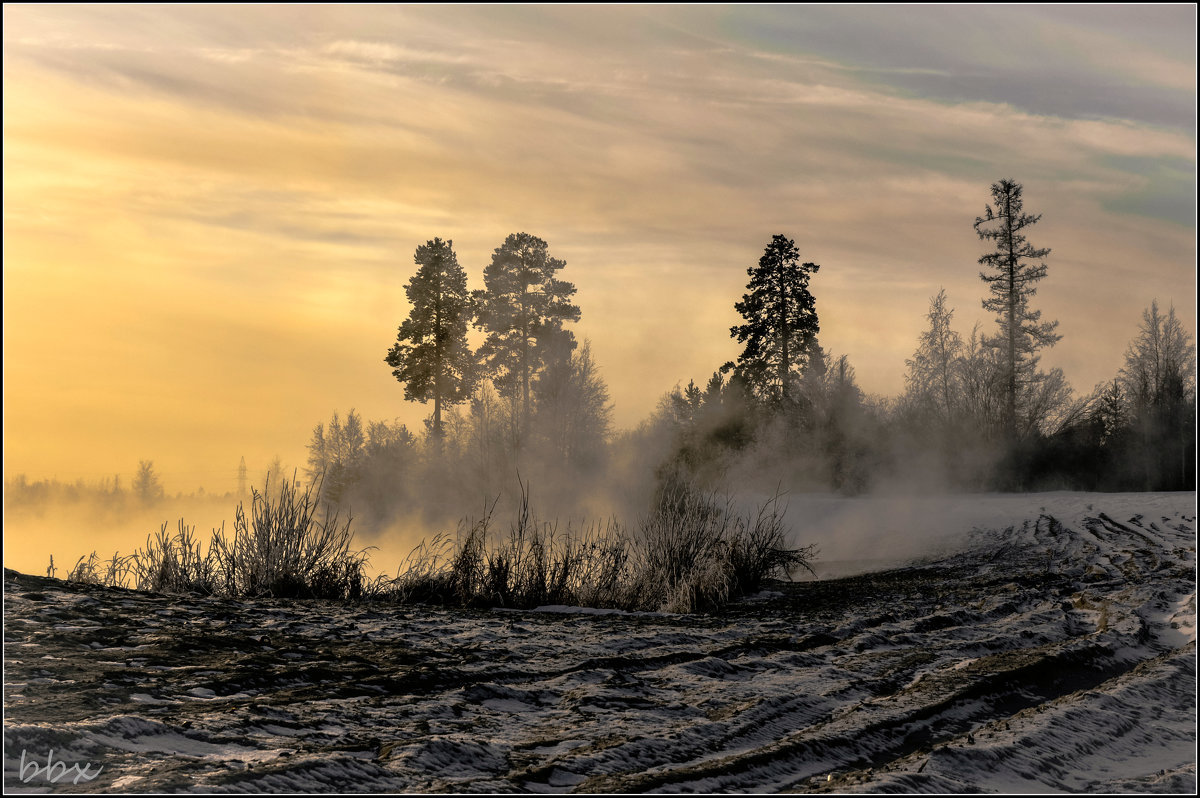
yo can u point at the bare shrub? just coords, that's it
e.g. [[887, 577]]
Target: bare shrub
[[174, 563], [283, 551], [424, 576], [693, 552], [679, 553], [91, 570], [87, 570], [759, 551], [696, 552], [470, 572], [601, 566]]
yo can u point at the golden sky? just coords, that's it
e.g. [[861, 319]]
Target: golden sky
[[210, 212]]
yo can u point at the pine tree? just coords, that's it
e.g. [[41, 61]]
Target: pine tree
[[523, 307], [781, 321], [1015, 270], [431, 356], [1110, 414]]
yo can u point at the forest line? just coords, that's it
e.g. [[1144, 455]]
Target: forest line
[[525, 419], [977, 411]]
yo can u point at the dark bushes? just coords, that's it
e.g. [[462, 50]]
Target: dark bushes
[[281, 551], [692, 552]]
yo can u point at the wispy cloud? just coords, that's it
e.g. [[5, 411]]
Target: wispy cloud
[[268, 171]]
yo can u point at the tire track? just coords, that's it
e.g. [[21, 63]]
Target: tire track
[[1000, 659]]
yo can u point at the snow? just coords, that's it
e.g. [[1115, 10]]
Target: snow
[[1010, 643]]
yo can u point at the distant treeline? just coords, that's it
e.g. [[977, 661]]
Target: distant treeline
[[977, 412], [145, 489], [531, 406]]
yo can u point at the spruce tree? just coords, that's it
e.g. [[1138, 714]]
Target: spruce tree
[[1015, 269], [145, 483], [431, 356], [781, 321], [523, 307]]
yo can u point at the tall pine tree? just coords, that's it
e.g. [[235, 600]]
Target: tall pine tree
[[781, 321], [523, 307], [1014, 269], [431, 356]]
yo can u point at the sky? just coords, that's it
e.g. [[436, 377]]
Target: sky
[[210, 212]]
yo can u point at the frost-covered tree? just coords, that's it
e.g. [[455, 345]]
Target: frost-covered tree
[[1160, 363], [336, 453], [934, 372], [318, 453], [275, 475], [781, 321], [1013, 269], [523, 307], [431, 356], [1159, 382], [573, 410], [980, 375]]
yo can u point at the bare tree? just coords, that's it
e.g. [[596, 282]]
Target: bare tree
[[1160, 360], [933, 379], [1159, 382]]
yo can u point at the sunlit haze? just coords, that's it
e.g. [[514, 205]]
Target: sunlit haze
[[210, 212]]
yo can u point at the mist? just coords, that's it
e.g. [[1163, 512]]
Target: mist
[[68, 530], [865, 479], [524, 420]]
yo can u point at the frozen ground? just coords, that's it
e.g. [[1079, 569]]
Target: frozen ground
[[1041, 643]]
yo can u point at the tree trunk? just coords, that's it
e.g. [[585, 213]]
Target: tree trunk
[[1010, 410], [524, 360], [783, 336], [437, 360]]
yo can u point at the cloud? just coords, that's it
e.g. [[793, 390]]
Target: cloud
[[1086, 62], [1166, 190], [268, 172], [377, 52]]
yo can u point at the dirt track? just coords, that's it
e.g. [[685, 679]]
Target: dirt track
[[1052, 655]]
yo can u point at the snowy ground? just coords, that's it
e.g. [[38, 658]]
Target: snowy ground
[[1046, 644]]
